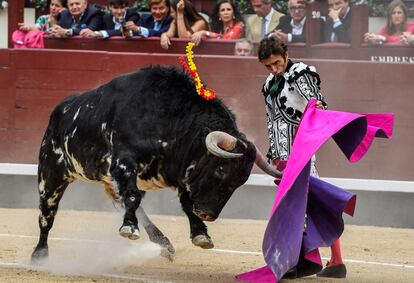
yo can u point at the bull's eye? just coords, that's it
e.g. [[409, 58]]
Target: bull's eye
[[220, 172]]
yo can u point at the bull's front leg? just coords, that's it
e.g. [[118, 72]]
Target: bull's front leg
[[198, 230], [124, 171]]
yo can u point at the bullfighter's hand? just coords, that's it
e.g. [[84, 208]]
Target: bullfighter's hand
[[319, 105]]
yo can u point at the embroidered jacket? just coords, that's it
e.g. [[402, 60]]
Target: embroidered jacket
[[286, 98]]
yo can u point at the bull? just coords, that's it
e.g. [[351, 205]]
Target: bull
[[143, 131]]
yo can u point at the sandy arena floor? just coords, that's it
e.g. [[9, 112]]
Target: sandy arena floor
[[86, 247]]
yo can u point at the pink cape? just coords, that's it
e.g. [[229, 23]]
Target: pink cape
[[307, 212]]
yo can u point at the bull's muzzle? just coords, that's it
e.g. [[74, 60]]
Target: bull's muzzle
[[204, 216]]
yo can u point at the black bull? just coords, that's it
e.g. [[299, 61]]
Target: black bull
[[143, 131]]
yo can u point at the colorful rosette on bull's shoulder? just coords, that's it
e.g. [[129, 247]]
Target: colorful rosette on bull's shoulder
[[191, 69]]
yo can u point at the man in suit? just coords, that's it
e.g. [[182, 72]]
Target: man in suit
[[263, 22], [79, 19], [338, 22], [292, 27], [113, 23], [153, 24]]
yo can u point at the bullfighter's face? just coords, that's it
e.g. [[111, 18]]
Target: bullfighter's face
[[213, 181]]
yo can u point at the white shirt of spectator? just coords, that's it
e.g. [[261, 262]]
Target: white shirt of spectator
[[297, 29], [145, 31], [268, 19], [116, 27], [336, 24]]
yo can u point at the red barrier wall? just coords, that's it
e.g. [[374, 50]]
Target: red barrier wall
[[33, 81]]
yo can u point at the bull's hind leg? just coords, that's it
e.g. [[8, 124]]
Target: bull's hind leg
[[125, 174], [51, 190], [198, 229], [156, 236]]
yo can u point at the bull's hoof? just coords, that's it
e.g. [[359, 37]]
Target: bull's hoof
[[39, 256], [203, 241], [168, 253], [130, 232]]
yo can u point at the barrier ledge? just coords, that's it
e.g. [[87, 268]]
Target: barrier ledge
[[261, 180]]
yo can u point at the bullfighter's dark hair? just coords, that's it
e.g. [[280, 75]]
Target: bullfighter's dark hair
[[271, 46]]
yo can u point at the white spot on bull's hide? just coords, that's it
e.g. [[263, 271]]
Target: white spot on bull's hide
[[43, 143], [122, 166], [74, 131], [43, 221], [79, 171], [164, 144], [103, 127], [42, 186], [153, 184], [110, 138], [58, 151], [65, 109], [187, 175], [52, 200], [76, 114]]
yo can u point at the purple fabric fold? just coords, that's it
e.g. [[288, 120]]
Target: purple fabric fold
[[307, 212]]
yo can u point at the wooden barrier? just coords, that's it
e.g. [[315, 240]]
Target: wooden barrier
[[32, 82]]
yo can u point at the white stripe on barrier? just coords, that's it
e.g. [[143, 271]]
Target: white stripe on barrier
[[262, 180]]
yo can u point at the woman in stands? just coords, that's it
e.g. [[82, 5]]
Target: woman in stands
[[226, 23], [395, 27], [45, 22], [186, 22]]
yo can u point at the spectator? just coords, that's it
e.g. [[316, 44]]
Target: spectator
[[45, 22], [291, 27], [243, 47], [265, 20], [226, 23], [186, 21], [80, 19], [114, 23], [338, 22], [156, 23], [395, 27]]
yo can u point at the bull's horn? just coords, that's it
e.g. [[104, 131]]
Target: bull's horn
[[262, 163], [220, 143]]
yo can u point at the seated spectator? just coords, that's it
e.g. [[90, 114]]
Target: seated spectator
[[113, 23], [45, 22], [243, 47], [226, 23], [338, 22], [265, 20], [80, 19], [186, 21], [395, 27], [291, 27], [154, 24]]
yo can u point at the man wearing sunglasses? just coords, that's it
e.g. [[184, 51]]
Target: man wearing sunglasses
[[291, 27]]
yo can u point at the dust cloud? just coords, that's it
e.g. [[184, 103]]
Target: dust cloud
[[87, 258]]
